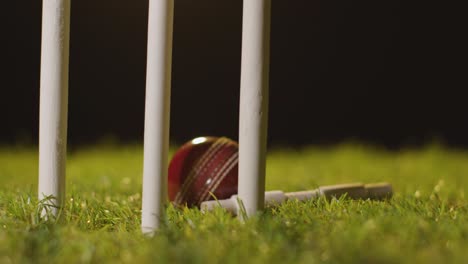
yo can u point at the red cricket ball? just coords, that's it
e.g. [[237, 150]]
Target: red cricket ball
[[202, 167]]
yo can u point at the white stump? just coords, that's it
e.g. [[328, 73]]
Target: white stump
[[253, 123], [157, 116], [54, 100]]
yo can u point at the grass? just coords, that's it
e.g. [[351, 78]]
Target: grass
[[425, 222]]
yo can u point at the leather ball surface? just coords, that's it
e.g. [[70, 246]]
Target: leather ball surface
[[201, 168]]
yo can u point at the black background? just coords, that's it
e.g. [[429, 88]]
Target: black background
[[379, 72]]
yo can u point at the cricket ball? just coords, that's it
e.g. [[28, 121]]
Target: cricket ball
[[203, 168]]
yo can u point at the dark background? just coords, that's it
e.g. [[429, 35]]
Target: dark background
[[378, 72]]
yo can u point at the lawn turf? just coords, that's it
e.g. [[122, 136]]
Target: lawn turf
[[425, 222]]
